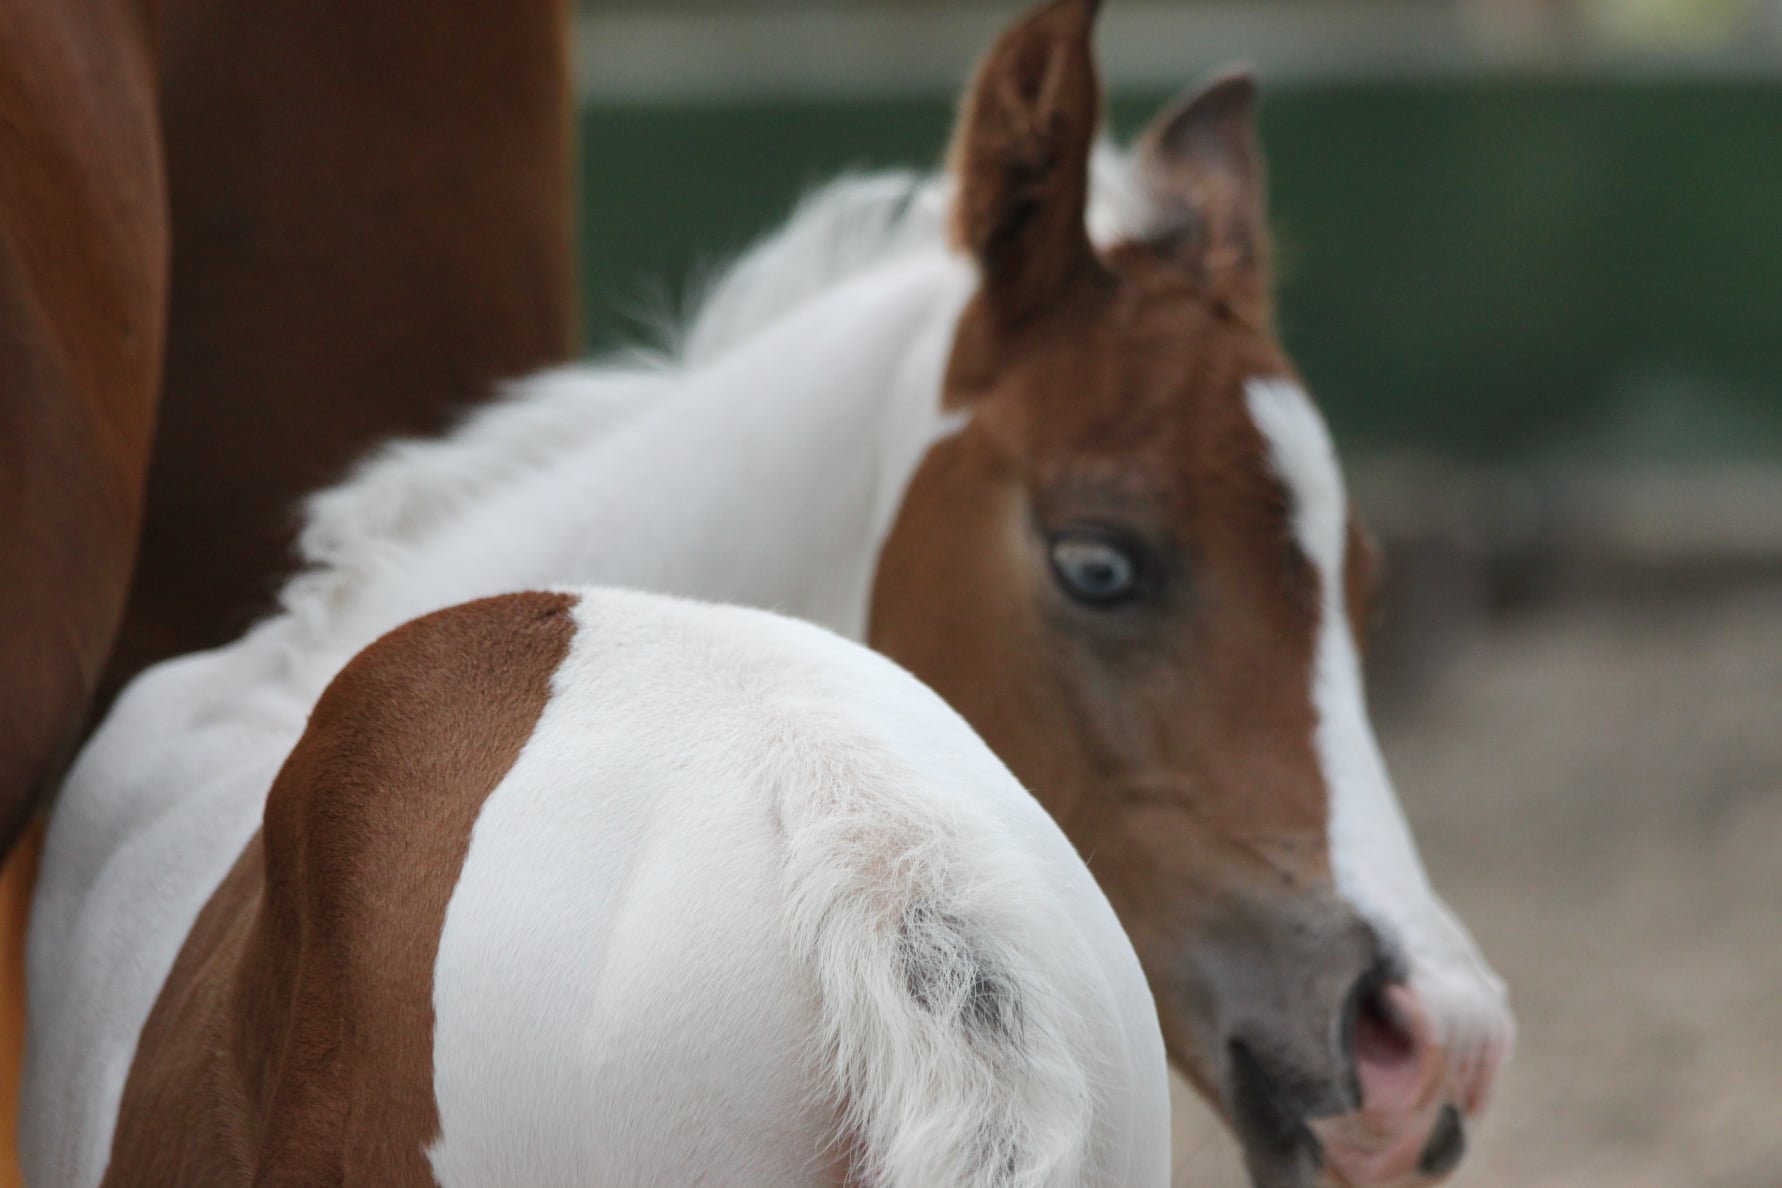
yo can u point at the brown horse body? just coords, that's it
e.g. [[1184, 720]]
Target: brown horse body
[[83, 257], [370, 219], [300, 228], [371, 228]]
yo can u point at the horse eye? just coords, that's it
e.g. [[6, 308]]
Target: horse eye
[[1093, 569]]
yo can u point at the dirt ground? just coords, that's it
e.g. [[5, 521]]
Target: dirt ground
[[1596, 782]]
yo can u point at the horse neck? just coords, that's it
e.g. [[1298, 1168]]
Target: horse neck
[[768, 477]]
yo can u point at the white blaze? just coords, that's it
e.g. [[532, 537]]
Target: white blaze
[[1373, 858]]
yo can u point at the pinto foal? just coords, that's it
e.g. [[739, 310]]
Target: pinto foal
[[590, 887], [1026, 429]]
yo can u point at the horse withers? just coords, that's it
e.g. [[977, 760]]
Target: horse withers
[[1028, 430], [579, 887]]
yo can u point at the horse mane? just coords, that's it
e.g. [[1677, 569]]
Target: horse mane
[[856, 224], [361, 528], [853, 225]]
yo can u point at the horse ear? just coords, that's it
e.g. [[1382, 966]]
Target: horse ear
[[1020, 161], [1202, 163]]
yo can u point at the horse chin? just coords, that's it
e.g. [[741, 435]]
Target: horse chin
[[1279, 1060], [1390, 1121], [1278, 1147], [1277, 1156]]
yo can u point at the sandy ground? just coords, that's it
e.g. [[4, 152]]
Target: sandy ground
[[1596, 782]]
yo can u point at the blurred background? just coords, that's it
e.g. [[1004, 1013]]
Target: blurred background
[[1531, 255]]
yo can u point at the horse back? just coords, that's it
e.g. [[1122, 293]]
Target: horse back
[[554, 885]]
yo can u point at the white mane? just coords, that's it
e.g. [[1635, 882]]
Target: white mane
[[860, 222], [407, 489], [848, 227]]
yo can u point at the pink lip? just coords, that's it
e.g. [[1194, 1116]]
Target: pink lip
[[1378, 1166]]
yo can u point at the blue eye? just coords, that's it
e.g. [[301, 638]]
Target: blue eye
[[1094, 569]]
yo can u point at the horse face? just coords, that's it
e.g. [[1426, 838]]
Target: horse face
[[1134, 572]]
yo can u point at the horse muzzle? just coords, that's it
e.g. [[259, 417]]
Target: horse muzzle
[[1334, 1063], [1417, 1092]]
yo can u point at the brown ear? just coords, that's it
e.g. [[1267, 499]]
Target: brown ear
[[1021, 161], [1203, 165]]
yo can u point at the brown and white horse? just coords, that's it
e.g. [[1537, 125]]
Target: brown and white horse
[[1065, 475], [578, 887]]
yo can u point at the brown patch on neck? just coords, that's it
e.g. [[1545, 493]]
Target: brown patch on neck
[[293, 1040]]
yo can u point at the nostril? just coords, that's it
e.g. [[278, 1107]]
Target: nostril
[[1388, 1050], [1446, 1146], [1382, 1035]]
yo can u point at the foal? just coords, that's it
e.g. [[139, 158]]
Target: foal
[[577, 888], [1029, 432]]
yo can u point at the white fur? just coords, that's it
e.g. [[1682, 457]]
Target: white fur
[[1373, 858], [153, 814], [681, 941], [858, 288], [866, 222], [762, 467]]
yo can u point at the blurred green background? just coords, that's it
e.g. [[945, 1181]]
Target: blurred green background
[[1493, 268]]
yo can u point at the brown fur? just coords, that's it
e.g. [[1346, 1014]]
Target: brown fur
[[1016, 215], [372, 227], [16, 880], [1205, 164], [1172, 738], [293, 1041], [83, 250]]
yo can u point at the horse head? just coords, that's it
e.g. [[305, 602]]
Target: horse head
[[1134, 570]]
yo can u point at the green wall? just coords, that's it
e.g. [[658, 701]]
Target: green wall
[[1500, 270]]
